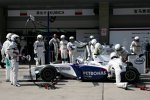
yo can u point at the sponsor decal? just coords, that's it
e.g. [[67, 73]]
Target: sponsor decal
[[64, 68], [94, 73], [43, 12], [139, 60]]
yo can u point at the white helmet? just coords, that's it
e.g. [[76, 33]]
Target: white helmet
[[91, 37], [98, 45], [136, 38], [62, 36], [118, 47], [94, 41], [8, 36], [113, 54], [39, 37], [14, 37], [71, 38]]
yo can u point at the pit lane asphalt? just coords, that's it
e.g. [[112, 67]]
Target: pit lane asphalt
[[70, 90]]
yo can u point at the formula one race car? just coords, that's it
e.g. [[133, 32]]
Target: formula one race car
[[83, 70]]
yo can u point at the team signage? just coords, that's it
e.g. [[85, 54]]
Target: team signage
[[139, 60], [63, 12], [131, 11]]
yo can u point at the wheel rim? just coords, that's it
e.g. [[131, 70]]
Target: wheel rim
[[130, 75], [48, 74]]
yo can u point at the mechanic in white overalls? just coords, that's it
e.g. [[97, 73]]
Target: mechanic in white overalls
[[39, 50], [118, 66], [121, 52], [135, 46], [88, 48], [55, 41], [6, 56], [96, 49], [72, 47], [63, 49], [13, 51]]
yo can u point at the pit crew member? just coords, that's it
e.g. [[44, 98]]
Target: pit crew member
[[118, 66], [63, 49], [39, 50], [121, 52], [135, 46], [13, 51], [55, 41], [6, 56], [72, 48]]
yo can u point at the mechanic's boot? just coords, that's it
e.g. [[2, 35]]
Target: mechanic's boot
[[7, 80], [126, 86], [17, 85]]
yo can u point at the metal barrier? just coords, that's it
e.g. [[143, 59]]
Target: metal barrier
[[147, 59]]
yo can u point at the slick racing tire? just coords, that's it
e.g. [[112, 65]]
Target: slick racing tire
[[131, 75], [48, 73]]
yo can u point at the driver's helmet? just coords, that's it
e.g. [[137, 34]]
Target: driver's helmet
[[79, 60]]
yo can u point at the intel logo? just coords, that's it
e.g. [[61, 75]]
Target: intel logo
[[139, 60]]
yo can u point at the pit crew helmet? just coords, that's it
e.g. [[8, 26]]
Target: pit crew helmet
[[8, 36], [94, 41], [62, 36], [71, 38], [136, 38], [113, 55], [91, 37], [15, 38], [118, 47], [39, 37]]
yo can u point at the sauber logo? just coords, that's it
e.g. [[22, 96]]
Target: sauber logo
[[94, 73], [139, 60]]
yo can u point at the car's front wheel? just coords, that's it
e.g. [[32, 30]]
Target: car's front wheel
[[48, 73]]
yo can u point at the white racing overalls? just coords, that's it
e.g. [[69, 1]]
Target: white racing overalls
[[119, 67], [63, 50], [39, 51], [13, 51], [72, 47], [135, 47]]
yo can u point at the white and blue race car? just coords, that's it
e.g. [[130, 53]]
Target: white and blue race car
[[83, 70]]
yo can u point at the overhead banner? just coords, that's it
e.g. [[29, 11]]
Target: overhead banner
[[131, 11], [63, 12]]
